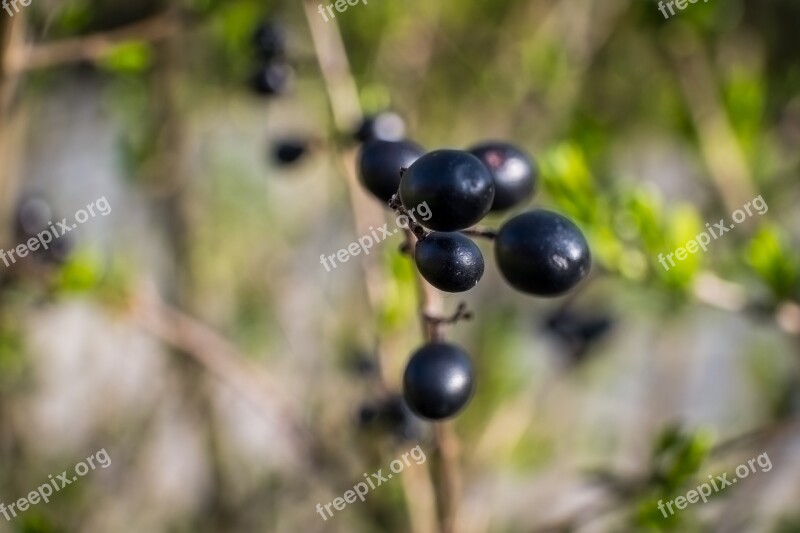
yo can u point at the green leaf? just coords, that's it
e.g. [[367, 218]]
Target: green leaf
[[771, 257], [132, 57]]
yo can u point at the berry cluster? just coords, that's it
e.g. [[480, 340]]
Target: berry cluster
[[538, 252], [274, 74]]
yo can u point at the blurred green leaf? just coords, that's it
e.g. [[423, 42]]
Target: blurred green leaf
[[132, 57], [770, 255]]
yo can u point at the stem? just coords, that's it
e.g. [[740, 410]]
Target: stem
[[93, 47], [480, 231], [448, 486], [346, 111], [397, 206]]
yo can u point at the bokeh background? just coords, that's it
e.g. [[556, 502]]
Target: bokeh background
[[235, 383]]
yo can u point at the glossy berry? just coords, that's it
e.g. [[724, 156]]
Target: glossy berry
[[456, 186], [272, 79], [380, 162], [438, 381], [385, 126], [542, 253], [449, 261], [269, 41], [289, 151], [514, 173]]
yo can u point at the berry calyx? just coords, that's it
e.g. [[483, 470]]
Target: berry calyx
[[456, 186], [513, 171], [380, 162], [438, 381], [542, 253], [450, 262]]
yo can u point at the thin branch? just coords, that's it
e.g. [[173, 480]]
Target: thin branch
[[481, 232], [215, 353], [346, 111], [448, 487], [93, 47]]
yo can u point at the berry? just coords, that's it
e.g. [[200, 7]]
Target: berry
[[456, 186], [33, 215], [542, 253], [514, 173], [269, 40], [367, 415], [449, 261], [438, 381], [273, 78], [399, 418], [59, 251], [577, 333], [380, 162], [385, 126], [288, 151]]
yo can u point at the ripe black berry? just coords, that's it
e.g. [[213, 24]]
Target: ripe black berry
[[449, 261], [269, 41], [542, 253], [514, 173], [288, 151], [385, 126], [438, 381], [273, 78], [380, 163], [457, 187]]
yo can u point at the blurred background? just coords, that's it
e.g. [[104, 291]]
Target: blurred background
[[234, 383]]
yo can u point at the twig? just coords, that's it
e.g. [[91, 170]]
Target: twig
[[196, 340], [346, 111], [93, 47], [397, 206], [448, 487], [481, 231]]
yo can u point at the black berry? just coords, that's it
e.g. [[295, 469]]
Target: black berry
[[514, 173], [385, 126], [438, 381], [273, 78], [542, 253], [449, 261], [289, 151], [456, 186], [380, 162], [33, 215], [269, 41]]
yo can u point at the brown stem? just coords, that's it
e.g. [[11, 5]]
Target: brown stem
[[448, 486], [397, 206], [346, 111], [480, 231], [215, 353], [93, 47]]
